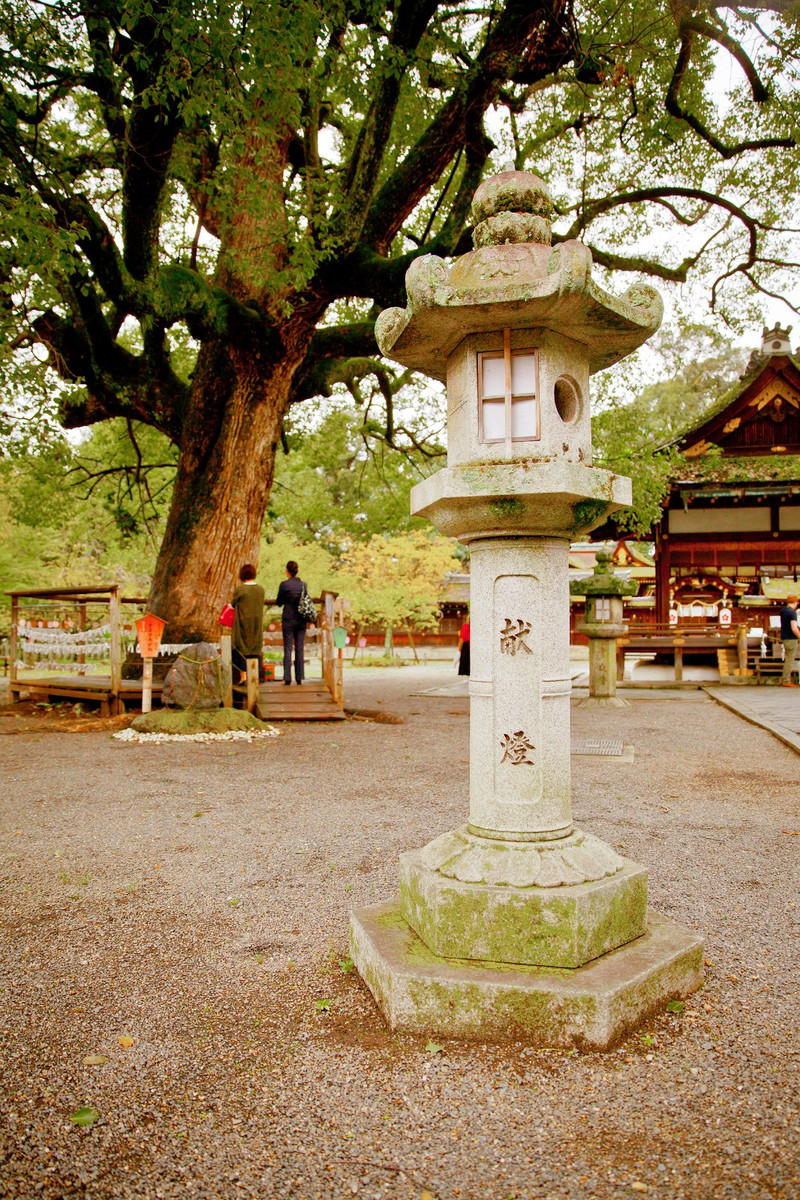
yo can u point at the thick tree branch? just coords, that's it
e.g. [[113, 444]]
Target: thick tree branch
[[181, 294], [344, 341], [118, 383], [526, 39], [410, 20], [103, 80], [641, 265], [151, 134], [675, 109], [596, 208], [723, 38], [331, 348], [195, 163]]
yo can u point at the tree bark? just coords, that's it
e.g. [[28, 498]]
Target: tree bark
[[224, 475]]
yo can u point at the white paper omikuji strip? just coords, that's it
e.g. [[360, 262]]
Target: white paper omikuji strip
[[62, 637], [233, 735]]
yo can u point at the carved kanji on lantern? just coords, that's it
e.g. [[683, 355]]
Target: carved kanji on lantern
[[517, 747], [512, 637]]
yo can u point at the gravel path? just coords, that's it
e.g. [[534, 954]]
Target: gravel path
[[181, 913]]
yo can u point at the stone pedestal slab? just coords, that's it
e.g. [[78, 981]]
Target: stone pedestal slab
[[591, 1007], [563, 926]]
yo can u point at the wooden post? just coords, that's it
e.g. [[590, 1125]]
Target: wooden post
[[338, 685], [678, 661], [13, 643], [116, 649], [662, 572], [227, 666], [252, 684], [326, 646], [147, 684], [741, 647], [82, 629]]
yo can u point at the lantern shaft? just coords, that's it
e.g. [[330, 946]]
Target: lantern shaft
[[519, 689]]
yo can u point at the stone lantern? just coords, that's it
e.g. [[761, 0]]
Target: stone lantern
[[517, 923], [603, 624]]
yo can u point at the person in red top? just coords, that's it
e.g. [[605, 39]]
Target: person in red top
[[463, 649]]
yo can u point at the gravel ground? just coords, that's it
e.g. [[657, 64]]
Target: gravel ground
[[180, 913]]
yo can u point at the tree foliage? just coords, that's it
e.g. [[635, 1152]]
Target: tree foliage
[[203, 206], [396, 581], [341, 483], [319, 568], [69, 513]]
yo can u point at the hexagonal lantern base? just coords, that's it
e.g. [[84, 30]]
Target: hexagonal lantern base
[[534, 926], [591, 1007]]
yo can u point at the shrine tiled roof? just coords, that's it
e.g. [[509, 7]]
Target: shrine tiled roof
[[755, 367], [737, 472]]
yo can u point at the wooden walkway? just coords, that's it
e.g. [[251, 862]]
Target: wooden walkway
[[93, 688], [312, 701]]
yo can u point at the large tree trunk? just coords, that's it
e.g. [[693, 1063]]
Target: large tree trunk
[[224, 476]]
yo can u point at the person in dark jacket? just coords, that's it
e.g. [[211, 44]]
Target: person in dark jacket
[[292, 624], [790, 632], [248, 624]]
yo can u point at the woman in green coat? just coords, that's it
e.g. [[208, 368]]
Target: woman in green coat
[[248, 624]]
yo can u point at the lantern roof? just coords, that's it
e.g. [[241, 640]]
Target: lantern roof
[[513, 278], [603, 581]]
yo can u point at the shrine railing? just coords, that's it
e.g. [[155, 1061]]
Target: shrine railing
[[661, 637]]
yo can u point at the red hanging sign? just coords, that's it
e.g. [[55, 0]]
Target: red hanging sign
[[148, 630]]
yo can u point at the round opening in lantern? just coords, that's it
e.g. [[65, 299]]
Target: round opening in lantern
[[568, 399]]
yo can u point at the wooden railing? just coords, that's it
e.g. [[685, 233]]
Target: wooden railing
[[107, 689], [659, 638], [331, 657], [109, 695], [330, 607]]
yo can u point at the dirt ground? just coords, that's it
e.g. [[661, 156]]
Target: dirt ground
[[173, 941]]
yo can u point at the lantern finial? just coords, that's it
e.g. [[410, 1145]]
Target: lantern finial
[[514, 206]]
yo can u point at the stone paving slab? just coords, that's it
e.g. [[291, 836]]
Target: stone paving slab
[[776, 709]]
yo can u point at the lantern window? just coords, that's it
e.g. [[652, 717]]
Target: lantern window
[[602, 608], [508, 383]]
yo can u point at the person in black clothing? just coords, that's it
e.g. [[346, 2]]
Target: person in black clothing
[[292, 624], [789, 635]]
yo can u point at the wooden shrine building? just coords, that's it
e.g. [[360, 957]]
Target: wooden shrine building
[[728, 544]]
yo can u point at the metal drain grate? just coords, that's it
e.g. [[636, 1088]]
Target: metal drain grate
[[597, 746]]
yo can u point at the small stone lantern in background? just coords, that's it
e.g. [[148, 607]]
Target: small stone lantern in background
[[603, 624], [505, 927]]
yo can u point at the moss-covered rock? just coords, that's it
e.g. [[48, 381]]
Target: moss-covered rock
[[189, 720]]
